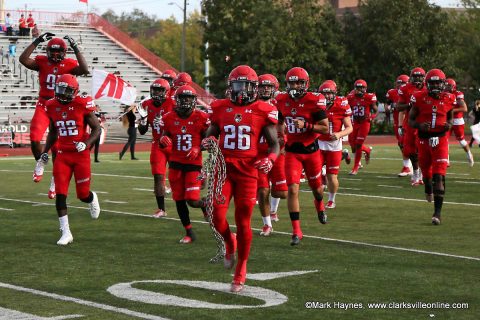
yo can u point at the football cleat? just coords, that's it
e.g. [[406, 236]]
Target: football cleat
[[436, 220], [429, 197], [51, 191], [237, 287], [266, 230], [94, 207], [229, 259], [470, 159], [322, 217], [38, 171], [66, 238], [274, 217], [295, 240], [405, 172], [367, 155], [330, 205], [346, 156], [354, 172], [159, 214], [186, 240]]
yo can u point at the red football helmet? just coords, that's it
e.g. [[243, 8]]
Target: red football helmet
[[402, 79], [169, 75], [186, 100], [298, 81], [435, 80], [182, 79], [329, 90], [243, 85], [450, 85], [56, 50], [360, 87], [159, 89], [417, 76], [66, 88], [267, 86]]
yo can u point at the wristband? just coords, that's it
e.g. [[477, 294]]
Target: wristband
[[272, 156]]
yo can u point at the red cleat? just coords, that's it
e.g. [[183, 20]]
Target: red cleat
[[367, 154], [237, 287], [405, 172]]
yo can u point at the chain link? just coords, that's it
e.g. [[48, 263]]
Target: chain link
[[214, 170]]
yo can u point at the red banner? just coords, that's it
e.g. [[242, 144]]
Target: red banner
[[85, 1]]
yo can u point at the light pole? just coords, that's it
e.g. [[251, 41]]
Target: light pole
[[184, 29]]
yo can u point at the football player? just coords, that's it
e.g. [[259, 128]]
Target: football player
[[267, 88], [151, 112], [339, 115], [182, 79], [183, 130], [364, 108], [458, 121], [305, 118], [432, 115], [237, 123], [49, 67], [69, 116], [391, 104], [416, 83]]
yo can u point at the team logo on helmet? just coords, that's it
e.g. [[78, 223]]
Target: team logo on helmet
[[238, 117]]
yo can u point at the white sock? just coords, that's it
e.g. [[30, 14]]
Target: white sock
[[407, 163], [274, 202], [331, 196], [64, 223], [52, 184], [267, 221]]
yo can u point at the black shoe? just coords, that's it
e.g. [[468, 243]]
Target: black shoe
[[96, 160], [322, 217], [120, 156], [295, 240], [436, 220], [134, 158]]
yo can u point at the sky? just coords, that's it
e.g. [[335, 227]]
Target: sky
[[160, 8]]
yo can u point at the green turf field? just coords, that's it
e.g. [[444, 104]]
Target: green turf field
[[379, 247]]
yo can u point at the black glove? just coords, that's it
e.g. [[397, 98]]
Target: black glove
[[73, 43], [43, 37]]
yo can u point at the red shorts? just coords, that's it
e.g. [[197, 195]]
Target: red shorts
[[332, 160], [410, 138], [76, 163], [40, 121], [433, 160], [239, 185], [459, 131], [359, 133], [312, 163], [185, 185], [159, 159], [276, 176]]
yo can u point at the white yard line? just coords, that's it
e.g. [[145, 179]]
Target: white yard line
[[7, 209], [115, 202], [467, 182], [387, 186], [83, 302], [307, 236], [140, 189]]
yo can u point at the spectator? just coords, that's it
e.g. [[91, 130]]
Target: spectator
[[12, 48], [30, 24], [22, 26], [35, 32], [8, 25], [128, 120]]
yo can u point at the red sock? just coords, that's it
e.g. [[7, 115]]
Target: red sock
[[365, 149], [319, 205], [296, 228], [358, 157]]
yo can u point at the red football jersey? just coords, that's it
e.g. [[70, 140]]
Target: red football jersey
[[241, 126], [459, 96], [69, 119], [405, 93], [156, 112], [393, 97], [185, 134], [49, 71], [339, 110], [303, 109], [433, 110], [361, 106]]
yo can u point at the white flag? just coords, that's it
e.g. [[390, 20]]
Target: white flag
[[105, 84]]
